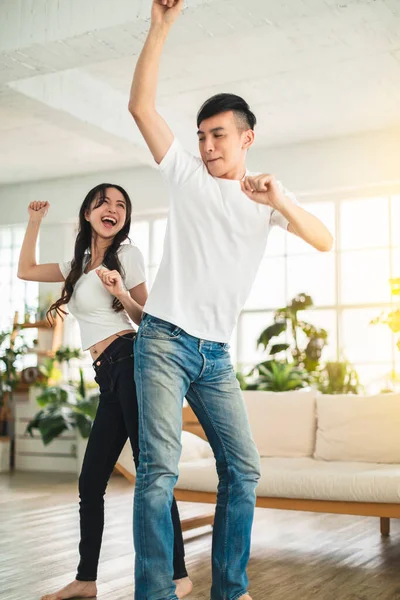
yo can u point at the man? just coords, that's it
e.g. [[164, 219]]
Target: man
[[219, 220]]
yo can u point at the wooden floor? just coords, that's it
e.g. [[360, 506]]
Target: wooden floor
[[295, 556]]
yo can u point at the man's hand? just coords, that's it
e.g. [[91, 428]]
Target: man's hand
[[37, 211], [112, 281], [264, 189], [165, 12]]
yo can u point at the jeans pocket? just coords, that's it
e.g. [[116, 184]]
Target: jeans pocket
[[103, 379], [157, 329]]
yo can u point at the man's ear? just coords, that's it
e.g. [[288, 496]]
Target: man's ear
[[248, 139]]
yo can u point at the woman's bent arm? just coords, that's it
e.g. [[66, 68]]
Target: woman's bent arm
[[28, 269]]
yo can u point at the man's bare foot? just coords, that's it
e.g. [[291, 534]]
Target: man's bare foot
[[75, 589], [183, 587], [245, 597]]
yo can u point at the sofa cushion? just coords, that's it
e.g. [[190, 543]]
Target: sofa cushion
[[193, 448], [283, 423], [358, 428], [306, 479]]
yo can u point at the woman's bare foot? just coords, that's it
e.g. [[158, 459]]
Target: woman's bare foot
[[75, 589], [183, 587]]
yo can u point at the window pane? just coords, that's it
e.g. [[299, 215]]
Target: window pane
[[325, 211], [364, 223], [6, 311], [14, 293], [312, 274], [5, 256], [18, 236], [16, 252], [397, 369], [250, 327], [5, 237], [276, 245], [325, 319], [152, 275], [32, 295], [159, 228], [396, 262], [139, 235], [268, 290], [365, 277], [375, 378], [361, 341], [395, 214], [5, 274]]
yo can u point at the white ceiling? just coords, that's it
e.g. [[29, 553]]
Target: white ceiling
[[310, 69]]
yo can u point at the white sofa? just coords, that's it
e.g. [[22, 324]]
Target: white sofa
[[338, 454]]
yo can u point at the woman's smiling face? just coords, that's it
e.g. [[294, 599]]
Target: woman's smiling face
[[107, 215]]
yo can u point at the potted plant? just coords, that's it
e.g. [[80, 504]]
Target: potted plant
[[65, 407], [298, 361], [338, 377], [274, 376], [288, 324]]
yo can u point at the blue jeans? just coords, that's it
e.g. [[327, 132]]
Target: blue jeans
[[169, 365]]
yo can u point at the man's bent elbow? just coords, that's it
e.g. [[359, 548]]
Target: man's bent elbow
[[140, 113], [132, 109], [326, 245]]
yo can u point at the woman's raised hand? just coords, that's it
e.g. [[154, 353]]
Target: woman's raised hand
[[38, 210]]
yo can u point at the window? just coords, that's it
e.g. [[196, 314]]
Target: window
[[15, 294], [349, 286]]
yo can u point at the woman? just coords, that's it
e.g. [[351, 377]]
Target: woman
[[105, 289]]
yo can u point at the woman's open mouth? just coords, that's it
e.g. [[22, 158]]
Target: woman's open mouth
[[109, 222]]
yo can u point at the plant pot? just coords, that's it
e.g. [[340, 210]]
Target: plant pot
[[5, 453]]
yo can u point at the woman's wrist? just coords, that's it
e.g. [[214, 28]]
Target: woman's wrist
[[124, 295], [34, 222]]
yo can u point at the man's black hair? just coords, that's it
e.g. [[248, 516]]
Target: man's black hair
[[221, 103]]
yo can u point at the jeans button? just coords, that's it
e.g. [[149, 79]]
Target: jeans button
[[98, 363]]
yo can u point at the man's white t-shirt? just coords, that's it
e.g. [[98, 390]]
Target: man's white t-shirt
[[214, 243], [91, 303]]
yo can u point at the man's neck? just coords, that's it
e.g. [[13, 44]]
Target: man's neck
[[236, 174]]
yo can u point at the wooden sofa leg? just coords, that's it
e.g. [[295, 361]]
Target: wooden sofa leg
[[385, 526], [194, 522]]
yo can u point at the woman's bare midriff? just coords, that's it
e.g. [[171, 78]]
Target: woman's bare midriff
[[98, 348]]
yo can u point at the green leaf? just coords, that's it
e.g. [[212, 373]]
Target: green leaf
[[84, 425], [301, 302], [276, 348], [271, 332], [87, 407]]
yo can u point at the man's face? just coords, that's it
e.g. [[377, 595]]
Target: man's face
[[223, 144]]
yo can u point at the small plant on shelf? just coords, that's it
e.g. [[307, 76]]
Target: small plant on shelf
[[12, 347]]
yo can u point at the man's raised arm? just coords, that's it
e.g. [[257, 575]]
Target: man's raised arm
[[142, 101]]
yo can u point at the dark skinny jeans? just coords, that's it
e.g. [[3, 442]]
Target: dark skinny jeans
[[116, 420]]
